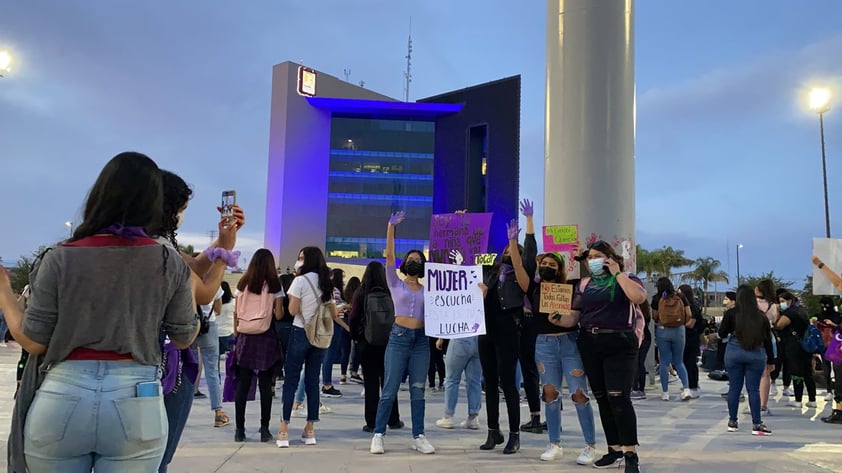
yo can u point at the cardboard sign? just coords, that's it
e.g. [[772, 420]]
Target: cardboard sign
[[485, 259], [458, 238], [561, 238], [556, 298], [829, 250], [453, 302]]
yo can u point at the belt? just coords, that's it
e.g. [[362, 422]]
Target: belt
[[597, 330], [557, 334]]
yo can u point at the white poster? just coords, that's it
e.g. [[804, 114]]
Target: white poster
[[830, 252], [453, 302]]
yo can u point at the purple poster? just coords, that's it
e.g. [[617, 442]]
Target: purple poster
[[458, 238]]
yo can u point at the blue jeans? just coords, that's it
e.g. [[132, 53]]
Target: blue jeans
[[462, 355], [4, 327], [177, 405], [86, 415], [299, 353], [558, 356], [330, 356], [208, 345], [748, 366], [671, 348], [408, 349]]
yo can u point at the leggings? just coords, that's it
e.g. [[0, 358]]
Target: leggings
[[498, 357], [436, 364], [264, 383]]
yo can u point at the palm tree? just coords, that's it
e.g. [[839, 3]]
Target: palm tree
[[666, 259], [706, 270], [644, 261]]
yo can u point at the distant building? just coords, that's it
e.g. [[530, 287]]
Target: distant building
[[342, 158]]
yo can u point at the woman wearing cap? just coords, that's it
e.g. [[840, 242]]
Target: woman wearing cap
[[609, 348]]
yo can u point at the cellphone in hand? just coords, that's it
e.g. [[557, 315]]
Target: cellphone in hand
[[229, 200]]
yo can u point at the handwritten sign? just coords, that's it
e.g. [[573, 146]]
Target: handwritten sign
[[458, 238], [829, 250], [561, 238], [453, 302], [485, 259], [556, 298]]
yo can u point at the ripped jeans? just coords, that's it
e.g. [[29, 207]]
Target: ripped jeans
[[557, 356], [407, 350], [610, 361]]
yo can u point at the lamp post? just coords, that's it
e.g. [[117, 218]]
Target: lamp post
[[69, 226], [739, 245], [5, 61], [820, 103]]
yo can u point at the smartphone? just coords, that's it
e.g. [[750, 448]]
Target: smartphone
[[229, 200], [149, 389]]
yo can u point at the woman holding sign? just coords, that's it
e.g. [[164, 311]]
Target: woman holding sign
[[603, 308], [556, 349], [408, 348]]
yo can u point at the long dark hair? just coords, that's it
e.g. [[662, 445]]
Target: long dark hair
[[226, 292], [314, 262], [350, 288], [126, 192], [176, 195], [261, 271], [687, 292], [664, 287], [374, 277], [336, 276], [767, 290], [752, 326], [561, 275], [420, 253]]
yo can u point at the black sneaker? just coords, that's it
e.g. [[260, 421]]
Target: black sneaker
[[356, 378], [834, 418], [533, 426], [733, 426], [761, 430], [199, 395], [331, 392], [398, 425], [368, 429], [612, 459], [632, 462]]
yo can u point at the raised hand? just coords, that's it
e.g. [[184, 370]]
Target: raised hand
[[227, 234], [527, 208], [239, 216], [397, 218], [512, 229], [456, 257]]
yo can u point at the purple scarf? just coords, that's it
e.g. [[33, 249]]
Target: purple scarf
[[129, 233], [505, 270]]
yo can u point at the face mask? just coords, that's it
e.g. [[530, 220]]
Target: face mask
[[596, 266], [507, 260], [297, 266], [547, 273], [414, 268], [784, 306], [179, 219]]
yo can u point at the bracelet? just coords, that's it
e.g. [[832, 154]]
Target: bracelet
[[230, 257], [821, 265]]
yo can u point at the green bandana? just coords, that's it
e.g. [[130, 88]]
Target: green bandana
[[606, 280]]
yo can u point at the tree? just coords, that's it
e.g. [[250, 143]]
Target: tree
[[753, 280], [187, 250], [809, 300], [644, 261], [19, 274], [665, 259], [705, 271]]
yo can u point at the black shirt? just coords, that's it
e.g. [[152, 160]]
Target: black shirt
[[541, 319], [729, 325]]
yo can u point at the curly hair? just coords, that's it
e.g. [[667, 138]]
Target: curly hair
[[176, 195]]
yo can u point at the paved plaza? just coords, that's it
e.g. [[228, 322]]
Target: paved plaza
[[675, 437]]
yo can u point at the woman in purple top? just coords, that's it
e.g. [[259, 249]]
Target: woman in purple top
[[609, 348], [408, 348]]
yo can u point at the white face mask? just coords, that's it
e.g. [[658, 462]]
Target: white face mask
[[179, 219], [297, 266]]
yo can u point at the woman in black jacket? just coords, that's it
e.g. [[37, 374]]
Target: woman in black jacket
[[792, 324]]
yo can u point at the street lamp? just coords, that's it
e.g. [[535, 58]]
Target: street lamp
[[5, 61], [820, 103], [69, 226], [739, 245]]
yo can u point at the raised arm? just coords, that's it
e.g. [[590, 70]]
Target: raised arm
[[514, 252], [394, 220], [202, 264], [530, 245], [828, 273], [206, 284]]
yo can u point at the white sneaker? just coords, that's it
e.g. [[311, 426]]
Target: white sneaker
[[673, 378], [3, 344], [828, 397], [362, 393], [587, 457], [469, 423], [300, 412], [773, 390], [793, 404], [377, 444], [694, 394], [685, 395], [422, 445], [553, 452], [811, 404], [665, 396], [445, 423], [323, 409], [788, 392]]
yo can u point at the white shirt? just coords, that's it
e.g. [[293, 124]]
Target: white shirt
[[225, 320], [207, 309], [309, 301]]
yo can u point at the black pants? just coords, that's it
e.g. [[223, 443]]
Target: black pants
[[691, 358], [355, 357], [498, 353], [372, 359], [800, 365], [436, 364], [528, 366], [264, 385], [610, 361], [640, 379], [828, 375]]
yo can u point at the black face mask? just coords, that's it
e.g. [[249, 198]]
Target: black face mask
[[827, 308], [547, 273], [507, 260], [414, 268]]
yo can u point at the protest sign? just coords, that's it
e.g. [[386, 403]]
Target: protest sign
[[561, 238], [556, 298], [458, 238], [453, 302], [485, 259], [828, 250]]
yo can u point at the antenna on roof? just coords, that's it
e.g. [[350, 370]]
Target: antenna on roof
[[347, 73], [408, 74]]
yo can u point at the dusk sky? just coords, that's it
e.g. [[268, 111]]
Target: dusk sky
[[726, 150]]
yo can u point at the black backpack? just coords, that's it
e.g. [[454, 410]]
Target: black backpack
[[378, 316]]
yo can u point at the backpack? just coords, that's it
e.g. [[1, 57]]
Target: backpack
[[636, 322], [378, 316], [834, 349], [812, 341], [319, 329], [254, 311], [671, 312]]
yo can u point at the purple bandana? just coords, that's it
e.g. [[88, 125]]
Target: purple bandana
[[129, 233]]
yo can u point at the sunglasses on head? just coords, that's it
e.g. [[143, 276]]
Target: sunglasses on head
[[599, 245]]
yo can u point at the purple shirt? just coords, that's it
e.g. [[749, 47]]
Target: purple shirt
[[408, 303]]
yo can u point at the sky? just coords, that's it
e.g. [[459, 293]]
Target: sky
[[726, 151]]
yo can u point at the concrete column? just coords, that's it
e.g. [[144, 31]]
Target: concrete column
[[590, 120]]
